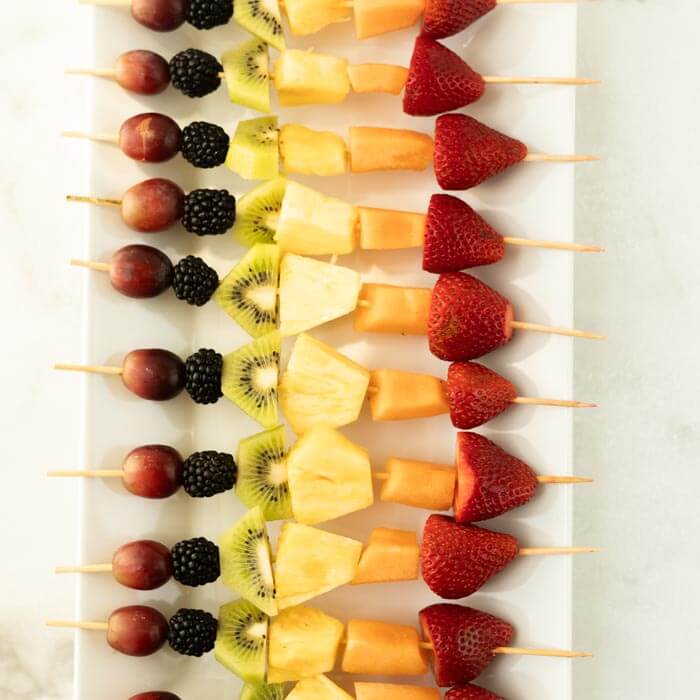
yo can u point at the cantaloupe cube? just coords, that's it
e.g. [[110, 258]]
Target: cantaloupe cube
[[307, 77], [319, 688], [388, 309], [394, 691], [303, 642], [419, 484], [311, 152], [387, 229], [377, 77], [328, 475], [376, 148], [397, 395], [390, 555], [383, 649], [374, 17], [310, 16], [310, 223]]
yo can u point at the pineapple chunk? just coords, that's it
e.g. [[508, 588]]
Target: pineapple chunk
[[390, 555], [318, 688], [310, 16], [321, 386], [310, 152], [303, 642], [312, 224], [311, 562], [307, 78], [377, 77], [313, 292], [329, 476]]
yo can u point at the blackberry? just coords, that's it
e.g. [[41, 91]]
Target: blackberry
[[195, 562], [207, 14], [209, 212], [192, 632], [194, 281], [203, 376], [204, 145], [205, 474], [195, 73]]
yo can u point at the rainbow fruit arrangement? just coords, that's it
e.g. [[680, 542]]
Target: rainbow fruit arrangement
[[268, 635]]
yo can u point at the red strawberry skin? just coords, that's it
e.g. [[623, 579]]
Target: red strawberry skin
[[467, 318], [457, 560], [490, 481], [456, 237], [468, 152], [463, 641], [476, 394], [444, 18], [470, 692], [439, 80]]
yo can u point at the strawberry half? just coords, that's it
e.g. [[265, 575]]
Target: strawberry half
[[444, 18], [470, 692], [490, 482], [468, 152], [439, 80], [457, 560], [463, 640], [476, 394], [467, 318], [456, 237]]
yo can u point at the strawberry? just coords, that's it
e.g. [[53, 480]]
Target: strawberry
[[476, 394], [439, 80], [490, 482], [468, 152], [470, 692], [457, 560], [444, 18], [463, 641], [467, 318], [456, 237]]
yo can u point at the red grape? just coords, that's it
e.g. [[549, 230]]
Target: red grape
[[150, 138], [159, 15], [140, 271], [155, 695], [137, 630], [156, 375], [143, 565], [153, 205], [142, 72], [153, 471]]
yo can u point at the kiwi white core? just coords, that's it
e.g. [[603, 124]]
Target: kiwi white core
[[263, 297], [265, 563]]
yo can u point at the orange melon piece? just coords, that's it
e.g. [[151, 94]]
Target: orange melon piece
[[377, 148], [374, 17], [397, 395], [384, 308], [390, 555], [383, 649], [387, 229], [419, 484], [393, 691], [378, 77]]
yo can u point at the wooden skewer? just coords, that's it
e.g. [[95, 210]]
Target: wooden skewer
[[93, 369], [536, 80], [550, 158], [554, 330], [553, 245], [553, 402], [85, 569], [102, 137], [78, 625], [100, 201], [89, 473], [553, 551], [110, 3], [109, 73], [91, 265]]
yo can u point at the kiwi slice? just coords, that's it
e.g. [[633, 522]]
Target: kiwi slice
[[262, 474], [246, 563], [248, 294], [258, 212], [270, 691], [241, 641], [262, 18], [247, 71], [254, 149]]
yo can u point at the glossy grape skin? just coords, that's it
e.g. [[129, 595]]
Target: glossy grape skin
[[150, 138], [153, 205], [137, 630], [142, 72], [153, 374], [153, 471], [140, 271], [143, 565], [159, 15], [155, 695]]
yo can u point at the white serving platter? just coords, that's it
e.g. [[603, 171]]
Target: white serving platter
[[533, 200]]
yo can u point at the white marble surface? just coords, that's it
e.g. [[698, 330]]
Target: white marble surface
[[637, 606]]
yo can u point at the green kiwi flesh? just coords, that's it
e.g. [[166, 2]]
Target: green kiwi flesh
[[247, 71], [246, 562], [271, 691], [262, 18], [248, 294], [254, 149], [257, 213]]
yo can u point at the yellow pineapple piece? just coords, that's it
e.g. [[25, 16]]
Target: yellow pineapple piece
[[307, 78], [311, 152], [311, 562], [377, 148], [312, 224], [419, 484], [374, 17], [310, 16], [321, 386], [303, 642], [390, 555], [328, 475], [394, 691], [313, 292], [377, 77]]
